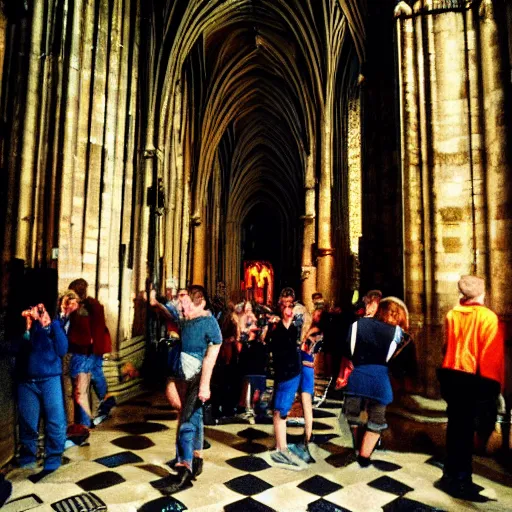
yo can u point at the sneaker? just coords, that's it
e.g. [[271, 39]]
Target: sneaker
[[286, 460], [318, 401], [301, 450], [247, 416], [295, 422]]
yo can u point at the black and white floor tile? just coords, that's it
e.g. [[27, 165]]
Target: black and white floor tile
[[128, 452]]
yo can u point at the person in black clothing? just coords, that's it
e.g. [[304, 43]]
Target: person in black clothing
[[285, 351]]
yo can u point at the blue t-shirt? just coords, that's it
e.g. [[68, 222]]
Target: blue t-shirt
[[198, 333]]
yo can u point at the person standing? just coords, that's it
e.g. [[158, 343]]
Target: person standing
[[89, 340], [470, 376], [39, 374]]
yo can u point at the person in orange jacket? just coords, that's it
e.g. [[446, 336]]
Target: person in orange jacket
[[471, 377]]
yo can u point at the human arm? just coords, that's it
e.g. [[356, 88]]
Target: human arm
[[57, 334], [206, 373]]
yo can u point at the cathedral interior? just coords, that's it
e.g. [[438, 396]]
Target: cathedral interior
[[250, 145]]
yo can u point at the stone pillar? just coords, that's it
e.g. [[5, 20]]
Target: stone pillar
[[198, 251], [445, 181]]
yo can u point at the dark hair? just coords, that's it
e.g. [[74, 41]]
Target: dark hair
[[287, 292], [198, 293], [79, 286]]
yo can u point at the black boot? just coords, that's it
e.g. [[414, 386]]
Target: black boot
[[179, 482], [197, 466]]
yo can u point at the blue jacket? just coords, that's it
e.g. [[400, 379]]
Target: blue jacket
[[41, 351]]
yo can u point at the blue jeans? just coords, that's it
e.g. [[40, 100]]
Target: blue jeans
[[85, 370], [191, 430], [44, 396]]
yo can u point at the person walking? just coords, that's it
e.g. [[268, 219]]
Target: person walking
[[201, 339], [470, 376], [89, 340]]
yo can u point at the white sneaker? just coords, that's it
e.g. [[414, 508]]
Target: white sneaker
[[287, 460]]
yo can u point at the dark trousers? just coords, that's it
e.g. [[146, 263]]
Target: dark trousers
[[472, 408]]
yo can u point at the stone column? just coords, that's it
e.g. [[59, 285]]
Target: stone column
[[447, 172]]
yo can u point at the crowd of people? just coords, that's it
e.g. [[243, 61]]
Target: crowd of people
[[251, 362]]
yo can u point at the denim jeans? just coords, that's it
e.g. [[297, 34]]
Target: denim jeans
[[86, 370], [36, 397], [191, 429]]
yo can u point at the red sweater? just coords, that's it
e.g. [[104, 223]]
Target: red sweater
[[88, 332], [474, 342]]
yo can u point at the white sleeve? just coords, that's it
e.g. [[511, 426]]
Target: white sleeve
[[394, 343], [353, 336]]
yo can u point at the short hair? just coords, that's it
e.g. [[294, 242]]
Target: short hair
[[287, 292], [79, 286], [317, 295], [471, 287], [198, 293], [393, 311]]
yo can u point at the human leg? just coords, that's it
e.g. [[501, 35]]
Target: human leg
[[376, 425], [55, 422], [80, 371], [352, 407], [99, 383], [28, 415]]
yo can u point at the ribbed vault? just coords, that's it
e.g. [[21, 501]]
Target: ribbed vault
[[245, 114]]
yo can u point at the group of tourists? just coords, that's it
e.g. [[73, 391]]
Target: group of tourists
[[227, 360]]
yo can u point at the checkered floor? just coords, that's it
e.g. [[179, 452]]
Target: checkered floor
[[130, 450]]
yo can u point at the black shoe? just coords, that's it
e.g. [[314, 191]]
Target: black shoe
[[197, 466], [182, 480], [364, 462], [462, 490]]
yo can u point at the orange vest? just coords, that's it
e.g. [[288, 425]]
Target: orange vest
[[474, 342]]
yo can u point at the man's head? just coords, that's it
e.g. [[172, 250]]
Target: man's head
[[371, 301], [318, 300], [287, 297], [195, 301], [472, 288], [79, 286]]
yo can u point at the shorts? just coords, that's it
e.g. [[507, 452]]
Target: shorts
[[353, 405], [257, 382], [285, 391]]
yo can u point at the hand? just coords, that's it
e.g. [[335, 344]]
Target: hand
[[28, 319], [39, 313], [339, 383], [204, 393]]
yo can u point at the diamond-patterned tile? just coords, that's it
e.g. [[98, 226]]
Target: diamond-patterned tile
[[387, 484], [23, 503], [323, 438], [406, 505], [164, 504], [319, 425], [154, 469], [250, 447], [161, 416], [142, 427], [341, 458], [248, 485], [118, 459], [319, 485], [248, 463], [433, 461], [322, 505], [101, 481], [133, 442], [247, 505], [252, 434], [319, 413], [384, 465]]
